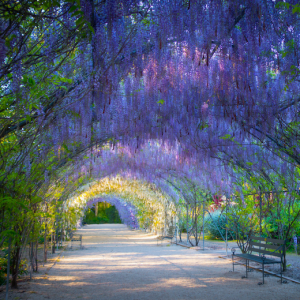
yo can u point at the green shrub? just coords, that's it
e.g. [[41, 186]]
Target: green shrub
[[107, 215], [215, 224], [3, 269], [112, 215], [41, 239], [90, 218]]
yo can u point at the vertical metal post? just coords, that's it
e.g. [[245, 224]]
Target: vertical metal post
[[165, 223], [260, 214], [260, 219], [56, 235], [175, 226], [203, 224], [187, 224], [45, 244], [61, 235], [57, 241], [226, 227]]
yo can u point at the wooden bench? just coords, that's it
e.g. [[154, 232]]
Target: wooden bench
[[261, 245], [76, 238], [169, 235]]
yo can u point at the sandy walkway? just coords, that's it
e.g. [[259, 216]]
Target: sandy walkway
[[120, 264]]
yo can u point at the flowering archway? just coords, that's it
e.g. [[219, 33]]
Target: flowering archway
[[189, 98], [127, 211]]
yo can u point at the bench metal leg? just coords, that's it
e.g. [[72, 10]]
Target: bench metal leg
[[232, 264], [248, 267]]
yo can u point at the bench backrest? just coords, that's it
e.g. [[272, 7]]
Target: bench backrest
[[268, 246], [76, 237], [171, 231]]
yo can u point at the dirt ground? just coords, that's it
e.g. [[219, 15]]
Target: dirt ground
[[117, 263]]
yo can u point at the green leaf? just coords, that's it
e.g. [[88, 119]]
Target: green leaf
[[31, 81], [296, 10], [76, 13], [8, 233], [282, 4], [91, 28], [79, 22], [66, 148], [225, 137], [161, 101], [73, 8], [66, 80]]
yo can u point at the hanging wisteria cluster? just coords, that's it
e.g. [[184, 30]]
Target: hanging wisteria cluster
[[209, 80], [174, 93], [214, 80]]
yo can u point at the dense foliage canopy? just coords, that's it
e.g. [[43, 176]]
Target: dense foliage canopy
[[155, 105]]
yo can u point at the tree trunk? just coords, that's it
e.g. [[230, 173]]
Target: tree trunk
[[45, 244], [52, 243], [15, 266], [31, 256], [61, 235], [8, 268], [284, 262], [36, 256]]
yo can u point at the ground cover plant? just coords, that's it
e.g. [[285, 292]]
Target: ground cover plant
[[167, 110]]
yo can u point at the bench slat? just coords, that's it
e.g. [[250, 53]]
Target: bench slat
[[264, 252], [170, 234], [257, 258], [76, 238], [266, 246], [258, 238]]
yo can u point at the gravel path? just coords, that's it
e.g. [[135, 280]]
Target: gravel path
[[117, 263]]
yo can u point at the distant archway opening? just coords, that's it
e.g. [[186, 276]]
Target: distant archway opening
[[101, 213], [109, 210]]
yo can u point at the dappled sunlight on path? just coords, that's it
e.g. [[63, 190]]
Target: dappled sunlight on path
[[117, 263]]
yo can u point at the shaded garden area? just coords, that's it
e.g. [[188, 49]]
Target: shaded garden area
[[101, 213], [176, 113]]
